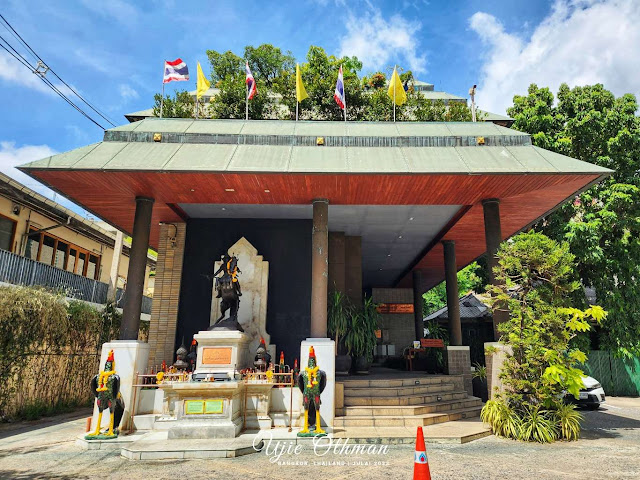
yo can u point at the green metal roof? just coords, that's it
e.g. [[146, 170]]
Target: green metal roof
[[290, 147]]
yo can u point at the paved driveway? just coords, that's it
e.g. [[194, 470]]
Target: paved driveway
[[609, 449]]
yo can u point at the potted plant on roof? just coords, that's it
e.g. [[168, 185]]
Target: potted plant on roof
[[361, 335], [338, 323]]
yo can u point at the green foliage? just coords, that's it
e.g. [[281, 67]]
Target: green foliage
[[49, 350], [568, 419], [602, 226], [537, 425], [360, 338], [435, 330], [274, 72], [181, 105], [339, 316], [480, 372], [536, 282], [468, 281]]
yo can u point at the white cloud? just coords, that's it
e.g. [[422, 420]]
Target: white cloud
[[14, 72], [378, 43], [12, 155], [580, 42], [127, 92]]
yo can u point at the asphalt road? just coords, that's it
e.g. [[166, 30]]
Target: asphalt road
[[609, 449]]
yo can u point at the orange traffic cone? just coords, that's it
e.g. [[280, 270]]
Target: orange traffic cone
[[421, 463]]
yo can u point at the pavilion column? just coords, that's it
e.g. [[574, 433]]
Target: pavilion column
[[493, 238], [319, 268], [417, 305], [137, 264], [453, 301]]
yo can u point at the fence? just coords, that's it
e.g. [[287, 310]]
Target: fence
[[24, 271], [618, 376]]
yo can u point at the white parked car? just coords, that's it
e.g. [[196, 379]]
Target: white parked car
[[591, 396]]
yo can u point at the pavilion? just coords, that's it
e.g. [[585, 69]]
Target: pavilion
[[407, 204]]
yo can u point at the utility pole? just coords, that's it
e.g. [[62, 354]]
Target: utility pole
[[472, 94]]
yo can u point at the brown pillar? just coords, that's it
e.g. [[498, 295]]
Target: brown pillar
[[453, 301], [319, 268], [417, 304], [493, 238], [137, 264]]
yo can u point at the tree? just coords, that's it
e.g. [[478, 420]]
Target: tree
[[602, 226], [536, 278], [436, 298], [181, 105]]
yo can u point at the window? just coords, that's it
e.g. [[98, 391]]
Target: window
[[51, 250], [7, 231], [61, 254]]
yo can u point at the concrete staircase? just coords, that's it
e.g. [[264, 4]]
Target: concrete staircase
[[407, 401]]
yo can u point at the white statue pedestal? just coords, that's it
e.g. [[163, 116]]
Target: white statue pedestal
[[222, 351], [205, 409]]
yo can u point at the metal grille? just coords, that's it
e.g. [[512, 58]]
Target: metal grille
[[19, 270]]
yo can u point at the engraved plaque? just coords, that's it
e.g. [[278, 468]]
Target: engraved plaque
[[216, 356], [194, 407], [213, 406]]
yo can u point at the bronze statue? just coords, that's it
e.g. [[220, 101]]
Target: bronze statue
[[229, 292]]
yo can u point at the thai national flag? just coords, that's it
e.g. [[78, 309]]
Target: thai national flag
[[251, 83], [339, 95], [176, 70]]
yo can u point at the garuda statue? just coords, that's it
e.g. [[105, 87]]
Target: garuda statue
[[106, 388], [312, 382], [228, 288]]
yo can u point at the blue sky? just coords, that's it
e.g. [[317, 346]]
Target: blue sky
[[113, 51]]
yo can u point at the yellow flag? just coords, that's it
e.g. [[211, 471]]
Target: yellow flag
[[301, 93], [395, 85], [203, 84]]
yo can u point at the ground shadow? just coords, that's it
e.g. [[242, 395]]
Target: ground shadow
[[9, 430], [605, 423], [17, 475]]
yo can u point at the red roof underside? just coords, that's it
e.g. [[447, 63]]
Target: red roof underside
[[524, 198]]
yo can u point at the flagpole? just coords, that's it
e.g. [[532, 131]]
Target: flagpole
[[297, 103], [162, 98], [246, 108], [196, 104], [393, 79], [344, 90]]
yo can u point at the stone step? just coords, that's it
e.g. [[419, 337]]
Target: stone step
[[410, 410], [408, 421], [460, 431], [404, 400], [397, 391], [398, 382]]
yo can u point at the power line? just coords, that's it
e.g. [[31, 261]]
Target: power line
[[23, 61], [17, 35]]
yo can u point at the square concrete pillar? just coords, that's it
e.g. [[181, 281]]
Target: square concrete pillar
[[459, 363], [494, 361], [326, 360]]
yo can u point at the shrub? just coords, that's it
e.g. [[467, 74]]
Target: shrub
[[536, 281], [49, 349]]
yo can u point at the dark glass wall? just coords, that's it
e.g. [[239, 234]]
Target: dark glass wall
[[285, 244]]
